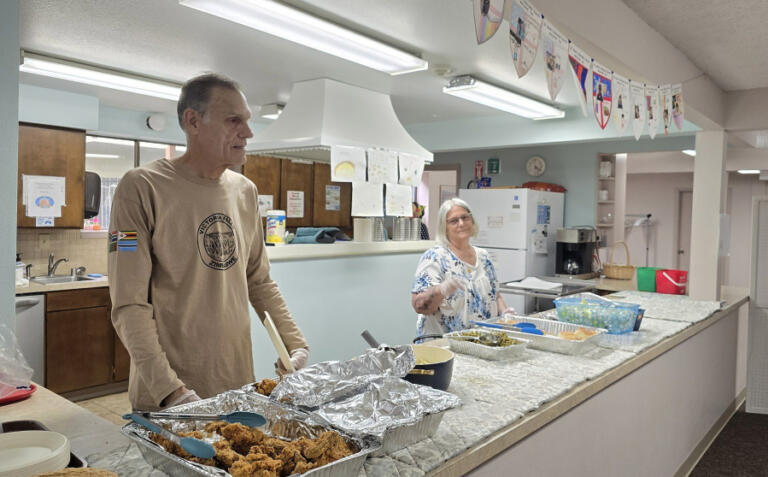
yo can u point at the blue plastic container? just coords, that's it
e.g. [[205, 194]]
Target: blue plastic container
[[617, 318]]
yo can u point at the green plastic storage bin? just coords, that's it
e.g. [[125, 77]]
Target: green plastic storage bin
[[646, 278]]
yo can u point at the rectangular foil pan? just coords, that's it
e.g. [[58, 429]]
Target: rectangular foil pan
[[282, 422], [399, 437], [550, 341]]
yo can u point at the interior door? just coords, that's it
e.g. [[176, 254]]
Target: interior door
[[684, 230]]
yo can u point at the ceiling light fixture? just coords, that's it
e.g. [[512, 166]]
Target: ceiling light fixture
[[748, 171], [69, 70], [271, 111], [102, 156], [690, 152], [294, 25], [467, 87], [109, 140]]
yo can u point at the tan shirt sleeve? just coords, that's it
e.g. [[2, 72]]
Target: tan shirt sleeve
[[129, 278], [265, 296]]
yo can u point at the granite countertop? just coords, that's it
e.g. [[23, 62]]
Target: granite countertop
[[548, 385], [40, 288]]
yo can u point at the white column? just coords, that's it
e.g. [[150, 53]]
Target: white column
[[9, 154], [620, 198], [710, 187]]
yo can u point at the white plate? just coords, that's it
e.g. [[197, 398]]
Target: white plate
[[26, 453]]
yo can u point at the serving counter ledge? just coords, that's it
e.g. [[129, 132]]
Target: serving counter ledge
[[345, 249]]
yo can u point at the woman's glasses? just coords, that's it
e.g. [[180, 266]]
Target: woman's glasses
[[461, 218]]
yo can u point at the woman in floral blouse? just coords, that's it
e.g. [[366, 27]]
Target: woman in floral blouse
[[455, 282]]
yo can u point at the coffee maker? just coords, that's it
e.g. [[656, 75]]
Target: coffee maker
[[574, 250]]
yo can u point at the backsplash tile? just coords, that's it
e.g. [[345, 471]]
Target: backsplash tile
[[90, 253]]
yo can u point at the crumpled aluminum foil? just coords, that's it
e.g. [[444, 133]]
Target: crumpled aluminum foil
[[388, 402], [332, 380]]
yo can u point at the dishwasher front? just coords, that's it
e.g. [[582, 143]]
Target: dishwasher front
[[30, 333]]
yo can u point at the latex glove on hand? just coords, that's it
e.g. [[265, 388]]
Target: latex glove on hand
[[183, 398], [299, 358], [449, 286], [508, 312]]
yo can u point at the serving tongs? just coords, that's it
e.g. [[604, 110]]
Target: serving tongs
[[250, 419], [196, 447]]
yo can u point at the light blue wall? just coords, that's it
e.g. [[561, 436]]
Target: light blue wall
[[574, 166], [133, 124], [9, 155], [57, 108], [334, 300]]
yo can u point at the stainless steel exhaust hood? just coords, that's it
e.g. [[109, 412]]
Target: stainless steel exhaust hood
[[323, 113]]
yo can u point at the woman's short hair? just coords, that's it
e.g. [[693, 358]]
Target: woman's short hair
[[441, 236]]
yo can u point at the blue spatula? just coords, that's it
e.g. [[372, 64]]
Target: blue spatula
[[196, 447], [250, 419]]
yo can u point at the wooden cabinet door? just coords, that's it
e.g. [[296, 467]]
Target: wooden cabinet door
[[322, 216], [296, 176], [45, 151], [79, 349], [264, 171]]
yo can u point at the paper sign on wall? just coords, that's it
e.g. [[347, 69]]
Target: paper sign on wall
[[637, 92], [347, 164], [665, 103], [295, 201], [367, 199], [411, 167], [266, 202], [332, 197], [652, 105], [44, 196], [622, 103], [677, 106], [555, 46], [399, 200], [580, 64], [488, 16], [602, 93], [382, 166]]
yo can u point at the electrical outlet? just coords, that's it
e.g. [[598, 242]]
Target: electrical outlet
[[44, 242]]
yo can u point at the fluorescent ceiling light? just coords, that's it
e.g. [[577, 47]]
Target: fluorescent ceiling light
[[102, 156], [271, 111], [748, 171], [294, 25], [690, 152], [109, 140], [99, 76], [469, 88]]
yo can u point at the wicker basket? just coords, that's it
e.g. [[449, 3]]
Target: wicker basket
[[619, 272]]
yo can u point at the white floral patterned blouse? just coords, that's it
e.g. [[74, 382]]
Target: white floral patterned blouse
[[477, 302]]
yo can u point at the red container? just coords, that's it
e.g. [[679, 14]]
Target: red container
[[673, 282]]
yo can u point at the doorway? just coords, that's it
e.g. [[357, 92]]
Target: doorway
[[685, 209], [438, 183]]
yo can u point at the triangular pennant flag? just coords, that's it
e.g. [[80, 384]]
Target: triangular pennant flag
[[580, 63], [637, 92], [488, 16], [677, 106], [602, 93], [555, 47], [524, 32], [622, 103], [652, 106], [665, 102]]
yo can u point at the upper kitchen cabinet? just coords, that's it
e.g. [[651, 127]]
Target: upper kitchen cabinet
[[46, 151], [296, 187], [264, 171], [332, 206]]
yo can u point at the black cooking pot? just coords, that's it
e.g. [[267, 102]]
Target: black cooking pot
[[435, 359]]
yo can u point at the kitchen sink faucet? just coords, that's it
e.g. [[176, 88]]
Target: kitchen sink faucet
[[53, 265]]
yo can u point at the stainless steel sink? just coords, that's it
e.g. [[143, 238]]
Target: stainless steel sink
[[46, 280]]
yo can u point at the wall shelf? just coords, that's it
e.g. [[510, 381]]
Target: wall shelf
[[605, 202], [606, 178], [605, 226]]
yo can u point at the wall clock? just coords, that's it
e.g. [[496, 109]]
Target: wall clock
[[536, 166]]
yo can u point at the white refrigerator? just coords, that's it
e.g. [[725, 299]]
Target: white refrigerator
[[518, 228]]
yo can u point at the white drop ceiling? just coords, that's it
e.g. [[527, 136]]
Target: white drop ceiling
[[723, 38]]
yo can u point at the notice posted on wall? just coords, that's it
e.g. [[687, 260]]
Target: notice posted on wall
[[43, 221], [295, 209], [367, 199], [266, 203], [332, 197], [43, 196]]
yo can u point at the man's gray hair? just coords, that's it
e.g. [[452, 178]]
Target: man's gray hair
[[446, 207], [196, 93]]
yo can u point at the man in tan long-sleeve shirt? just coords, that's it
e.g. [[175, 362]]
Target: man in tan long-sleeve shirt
[[186, 255]]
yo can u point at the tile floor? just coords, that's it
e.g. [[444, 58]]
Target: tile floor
[[111, 407]]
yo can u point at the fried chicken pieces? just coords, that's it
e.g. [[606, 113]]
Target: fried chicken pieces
[[247, 452], [265, 386]]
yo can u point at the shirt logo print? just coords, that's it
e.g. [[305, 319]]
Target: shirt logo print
[[217, 242]]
